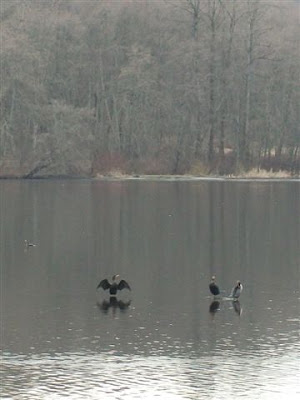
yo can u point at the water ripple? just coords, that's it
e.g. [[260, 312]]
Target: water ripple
[[113, 376]]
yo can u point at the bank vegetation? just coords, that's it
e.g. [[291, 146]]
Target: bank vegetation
[[149, 87]]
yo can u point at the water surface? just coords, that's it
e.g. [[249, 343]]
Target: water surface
[[166, 339]]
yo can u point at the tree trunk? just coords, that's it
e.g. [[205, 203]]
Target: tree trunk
[[212, 84], [244, 143]]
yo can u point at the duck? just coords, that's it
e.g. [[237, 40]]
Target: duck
[[28, 244], [213, 287], [237, 290], [114, 286]]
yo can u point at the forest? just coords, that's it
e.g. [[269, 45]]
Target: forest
[[99, 87]]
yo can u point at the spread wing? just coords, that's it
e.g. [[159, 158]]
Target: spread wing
[[123, 285], [104, 284]]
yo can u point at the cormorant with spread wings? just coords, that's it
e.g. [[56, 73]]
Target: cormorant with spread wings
[[114, 286]]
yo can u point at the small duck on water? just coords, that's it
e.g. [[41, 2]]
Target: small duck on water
[[29, 244]]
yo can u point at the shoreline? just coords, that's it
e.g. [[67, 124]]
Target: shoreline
[[192, 178], [166, 178]]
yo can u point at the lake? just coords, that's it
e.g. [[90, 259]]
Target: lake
[[167, 338]]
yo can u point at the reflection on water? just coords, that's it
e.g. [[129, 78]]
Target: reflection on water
[[114, 304], [237, 307], [60, 338], [214, 306]]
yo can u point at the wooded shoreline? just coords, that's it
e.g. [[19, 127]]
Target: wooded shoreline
[[169, 87]]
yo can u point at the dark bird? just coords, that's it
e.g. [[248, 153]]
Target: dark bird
[[114, 286], [28, 244], [237, 290], [213, 287]]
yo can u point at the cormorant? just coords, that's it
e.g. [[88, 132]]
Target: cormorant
[[213, 287], [237, 290], [114, 286]]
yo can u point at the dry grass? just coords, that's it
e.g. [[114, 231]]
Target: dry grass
[[198, 168], [197, 171], [114, 173], [262, 173]]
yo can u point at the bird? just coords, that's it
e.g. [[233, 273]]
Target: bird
[[213, 287], [237, 290], [28, 244], [114, 286]]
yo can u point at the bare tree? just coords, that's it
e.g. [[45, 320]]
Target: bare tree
[[157, 86]]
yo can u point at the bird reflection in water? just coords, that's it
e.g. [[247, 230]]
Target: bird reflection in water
[[214, 307], [114, 304], [237, 307]]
